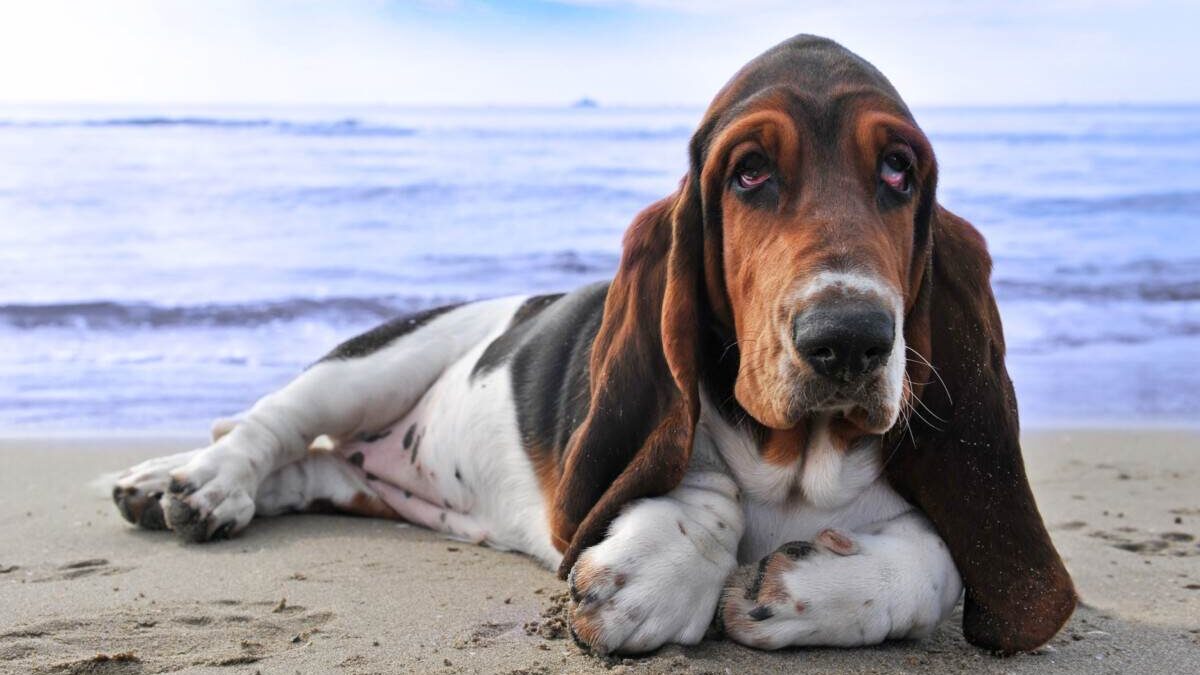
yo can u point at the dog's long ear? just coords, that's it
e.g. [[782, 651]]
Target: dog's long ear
[[637, 437], [962, 464]]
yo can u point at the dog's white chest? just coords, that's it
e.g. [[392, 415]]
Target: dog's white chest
[[827, 488]]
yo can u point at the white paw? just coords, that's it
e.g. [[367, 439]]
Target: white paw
[[212, 496], [839, 590], [138, 490], [656, 579]]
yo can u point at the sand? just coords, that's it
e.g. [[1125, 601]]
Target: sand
[[83, 592]]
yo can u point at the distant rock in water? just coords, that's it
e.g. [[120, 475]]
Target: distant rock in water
[[585, 102]]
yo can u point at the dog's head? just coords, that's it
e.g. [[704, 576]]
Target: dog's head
[[815, 188]]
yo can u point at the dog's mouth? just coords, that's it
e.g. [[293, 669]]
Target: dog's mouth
[[865, 409]]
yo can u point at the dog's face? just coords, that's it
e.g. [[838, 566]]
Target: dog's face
[[818, 196]]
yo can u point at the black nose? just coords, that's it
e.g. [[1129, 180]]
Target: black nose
[[845, 341]]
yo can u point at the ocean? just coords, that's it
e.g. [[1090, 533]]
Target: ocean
[[162, 267]]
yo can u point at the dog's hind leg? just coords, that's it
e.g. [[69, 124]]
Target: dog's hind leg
[[325, 481], [361, 387], [321, 482]]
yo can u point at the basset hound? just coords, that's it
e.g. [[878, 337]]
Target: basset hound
[[798, 369]]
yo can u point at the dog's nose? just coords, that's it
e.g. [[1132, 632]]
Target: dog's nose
[[845, 341]]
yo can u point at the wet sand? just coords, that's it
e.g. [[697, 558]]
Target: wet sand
[[81, 591]]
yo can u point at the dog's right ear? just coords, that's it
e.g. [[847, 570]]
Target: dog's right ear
[[636, 440]]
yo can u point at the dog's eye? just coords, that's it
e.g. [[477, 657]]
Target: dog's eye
[[752, 172], [895, 169]]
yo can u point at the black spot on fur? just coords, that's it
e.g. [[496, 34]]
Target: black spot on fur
[[381, 336], [502, 347], [407, 494], [408, 436], [371, 438], [371, 476], [457, 474], [356, 459], [549, 365]]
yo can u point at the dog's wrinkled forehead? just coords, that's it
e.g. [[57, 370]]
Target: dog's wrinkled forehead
[[817, 70]]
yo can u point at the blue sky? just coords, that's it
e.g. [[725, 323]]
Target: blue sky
[[554, 51]]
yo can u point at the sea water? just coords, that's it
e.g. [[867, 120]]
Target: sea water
[[161, 267]]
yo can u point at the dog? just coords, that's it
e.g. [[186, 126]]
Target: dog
[[799, 363]]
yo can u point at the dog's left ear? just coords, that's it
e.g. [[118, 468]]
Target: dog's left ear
[[636, 440], [961, 464]]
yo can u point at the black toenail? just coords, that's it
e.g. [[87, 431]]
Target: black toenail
[[126, 510], [571, 588], [180, 487], [761, 613], [152, 517], [223, 532]]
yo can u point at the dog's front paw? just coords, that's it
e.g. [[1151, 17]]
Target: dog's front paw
[[138, 491], [822, 592], [211, 497], [640, 589]]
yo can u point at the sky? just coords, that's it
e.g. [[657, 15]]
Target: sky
[[551, 52]]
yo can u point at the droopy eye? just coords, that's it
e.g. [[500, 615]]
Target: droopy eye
[[752, 171], [895, 169]]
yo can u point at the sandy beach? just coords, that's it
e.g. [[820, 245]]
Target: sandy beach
[[81, 591]]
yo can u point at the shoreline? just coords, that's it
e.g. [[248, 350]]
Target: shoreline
[[317, 593]]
